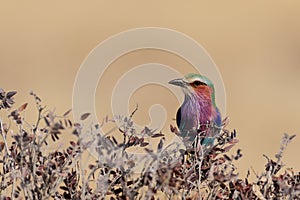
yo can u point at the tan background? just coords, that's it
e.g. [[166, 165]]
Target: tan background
[[256, 46]]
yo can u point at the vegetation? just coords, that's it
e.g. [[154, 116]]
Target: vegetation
[[28, 171]]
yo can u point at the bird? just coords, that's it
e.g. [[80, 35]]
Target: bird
[[198, 115]]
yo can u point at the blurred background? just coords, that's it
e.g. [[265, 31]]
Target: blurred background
[[256, 46]]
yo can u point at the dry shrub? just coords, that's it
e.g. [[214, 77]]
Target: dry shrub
[[168, 172]]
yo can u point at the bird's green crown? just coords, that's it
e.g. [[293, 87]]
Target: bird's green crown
[[191, 77]]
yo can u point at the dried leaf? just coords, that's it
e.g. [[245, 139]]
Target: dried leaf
[[160, 144], [114, 140], [227, 157], [58, 126], [46, 121], [77, 125], [23, 107], [84, 116], [144, 144], [73, 144], [157, 135], [1, 146], [64, 188], [292, 137], [66, 113], [52, 137], [149, 150], [10, 94], [66, 123], [75, 132], [70, 123]]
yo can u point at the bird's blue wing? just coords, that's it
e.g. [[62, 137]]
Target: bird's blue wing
[[218, 118], [178, 117]]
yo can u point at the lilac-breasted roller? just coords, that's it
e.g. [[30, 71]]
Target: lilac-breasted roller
[[199, 110]]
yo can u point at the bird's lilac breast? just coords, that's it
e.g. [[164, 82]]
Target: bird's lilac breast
[[195, 112]]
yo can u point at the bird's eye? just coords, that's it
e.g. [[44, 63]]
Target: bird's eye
[[197, 83]]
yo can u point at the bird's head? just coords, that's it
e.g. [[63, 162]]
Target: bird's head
[[196, 84]]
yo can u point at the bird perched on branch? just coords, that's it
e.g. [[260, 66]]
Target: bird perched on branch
[[198, 115]]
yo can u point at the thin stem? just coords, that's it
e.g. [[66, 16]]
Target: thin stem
[[4, 137]]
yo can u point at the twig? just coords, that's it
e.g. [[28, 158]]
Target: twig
[[4, 138]]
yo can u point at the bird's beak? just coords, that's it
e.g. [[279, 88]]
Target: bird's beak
[[178, 82]]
